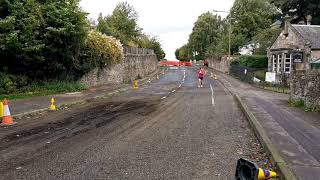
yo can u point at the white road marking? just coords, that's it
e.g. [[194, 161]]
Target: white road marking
[[173, 91], [164, 97], [212, 96]]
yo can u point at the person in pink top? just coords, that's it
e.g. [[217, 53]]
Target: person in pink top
[[201, 74]]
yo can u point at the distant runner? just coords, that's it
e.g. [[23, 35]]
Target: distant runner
[[206, 63], [201, 74]]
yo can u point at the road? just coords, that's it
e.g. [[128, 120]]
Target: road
[[169, 129]]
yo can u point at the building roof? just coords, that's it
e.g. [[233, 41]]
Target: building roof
[[310, 33]]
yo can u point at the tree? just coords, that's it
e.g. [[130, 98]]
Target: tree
[[252, 16], [264, 39], [205, 33], [64, 34], [103, 25], [156, 46], [123, 23], [20, 32], [144, 41], [184, 53], [299, 9], [176, 53], [249, 18], [41, 38]]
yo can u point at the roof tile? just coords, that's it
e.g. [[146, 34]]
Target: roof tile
[[310, 33]]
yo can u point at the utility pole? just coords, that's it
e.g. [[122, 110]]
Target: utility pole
[[230, 29]]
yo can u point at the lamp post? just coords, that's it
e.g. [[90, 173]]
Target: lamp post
[[230, 28]]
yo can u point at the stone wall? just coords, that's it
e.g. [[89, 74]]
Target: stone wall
[[133, 67], [305, 85], [221, 64]]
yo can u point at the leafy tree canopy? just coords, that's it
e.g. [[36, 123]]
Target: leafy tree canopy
[[41, 37], [122, 24], [299, 10]]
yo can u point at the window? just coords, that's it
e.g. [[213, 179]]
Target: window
[[274, 63], [287, 63], [279, 63]]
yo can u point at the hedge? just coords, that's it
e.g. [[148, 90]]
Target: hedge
[[102, 50], [252, 61]]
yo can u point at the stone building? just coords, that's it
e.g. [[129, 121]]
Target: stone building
[[295, 48]]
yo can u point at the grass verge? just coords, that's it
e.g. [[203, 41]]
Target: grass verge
[[301, 104], [44, 89], [276, 89]]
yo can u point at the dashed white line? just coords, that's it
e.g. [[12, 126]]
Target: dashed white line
[[212, 96]]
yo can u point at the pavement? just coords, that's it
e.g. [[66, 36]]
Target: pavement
[[294, 133], [168, 129]]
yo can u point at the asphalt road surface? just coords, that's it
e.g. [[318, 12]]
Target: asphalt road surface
[[168, 129]]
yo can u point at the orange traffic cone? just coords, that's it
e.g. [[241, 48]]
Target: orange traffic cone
[[7, 118]]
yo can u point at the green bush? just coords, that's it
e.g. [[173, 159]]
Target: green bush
[[10, 83], [101, 50], [261, 74], [253, 61], [296, 103]]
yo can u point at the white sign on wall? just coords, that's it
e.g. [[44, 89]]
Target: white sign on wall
[[270, 77]]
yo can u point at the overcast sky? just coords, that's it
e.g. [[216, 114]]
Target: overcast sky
[[170, 20]]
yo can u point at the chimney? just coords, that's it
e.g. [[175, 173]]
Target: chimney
[[309, 19], [286, 25]]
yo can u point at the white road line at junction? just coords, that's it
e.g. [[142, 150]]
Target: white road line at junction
[[212, 96], [164, 97]]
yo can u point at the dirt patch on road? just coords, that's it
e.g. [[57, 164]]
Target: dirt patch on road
[[68, 123]]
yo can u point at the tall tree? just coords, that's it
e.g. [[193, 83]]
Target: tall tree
[[205, 32], [103, 25], [123, 23], [41, 38], [252, 16], [65, 30]]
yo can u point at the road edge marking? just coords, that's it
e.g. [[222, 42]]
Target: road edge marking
[[212, 96]]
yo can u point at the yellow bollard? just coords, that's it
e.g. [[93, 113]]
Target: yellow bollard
[[136, 85], [1, 109], [52, 107]]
